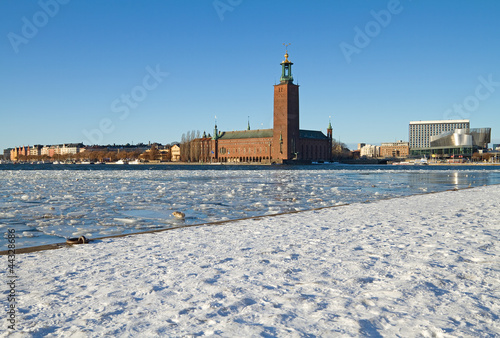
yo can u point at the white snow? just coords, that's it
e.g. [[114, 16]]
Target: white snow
[[420, 266]]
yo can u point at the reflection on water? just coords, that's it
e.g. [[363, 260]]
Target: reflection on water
[[454, 179], [46, 206]]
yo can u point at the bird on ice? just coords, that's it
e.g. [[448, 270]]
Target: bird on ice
[[179, 215]]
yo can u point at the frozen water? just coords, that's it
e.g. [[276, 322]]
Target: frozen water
[[46, 206]]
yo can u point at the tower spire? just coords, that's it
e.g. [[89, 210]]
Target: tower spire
[[216, 133], [286, 67]]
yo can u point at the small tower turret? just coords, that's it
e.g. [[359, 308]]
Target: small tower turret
[[215, 144], [286, 69], [329, 134], [329, 131], [216, 133]]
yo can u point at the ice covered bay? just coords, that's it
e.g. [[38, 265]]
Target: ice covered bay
[[47, 206], [419, 266]]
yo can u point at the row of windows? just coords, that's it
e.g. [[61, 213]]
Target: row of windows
[[307, 152], [419, 134], [442, 125], [224, 150], [439, 128]]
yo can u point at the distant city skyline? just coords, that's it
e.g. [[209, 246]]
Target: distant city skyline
[[131, 72]]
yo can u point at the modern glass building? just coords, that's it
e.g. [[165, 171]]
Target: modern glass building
[[421, 131], [447, 139], [462, 142]]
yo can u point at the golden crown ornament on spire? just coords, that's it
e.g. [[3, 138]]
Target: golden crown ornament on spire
[[286, 51]]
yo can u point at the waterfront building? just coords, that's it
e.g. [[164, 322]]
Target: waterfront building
[[45, 151], [461, 142], [6, 154], [421, 131], [369, 150], [175, 151], [395, 149], [70, 148], [157, 152], [18, 152], [284, 143], [36, 150]]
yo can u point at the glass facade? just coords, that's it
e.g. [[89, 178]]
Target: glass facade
[[421, 131], [461, 142]]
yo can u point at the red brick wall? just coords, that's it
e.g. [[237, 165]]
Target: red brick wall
[[286, 121], [244, 150], [315, 150]]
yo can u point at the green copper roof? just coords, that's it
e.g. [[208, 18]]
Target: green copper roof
[[259, 133], [262, 133], [286, 70], [216, 133], [312, 134]]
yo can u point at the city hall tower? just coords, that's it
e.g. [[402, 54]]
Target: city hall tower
[[286, 115]]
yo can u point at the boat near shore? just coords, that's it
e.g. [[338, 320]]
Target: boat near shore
[[422, 161]]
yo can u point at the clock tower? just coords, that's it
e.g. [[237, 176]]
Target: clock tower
[[286, 115]]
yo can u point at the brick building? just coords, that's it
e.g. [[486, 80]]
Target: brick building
[[285, 143], [18, 152], [395, 149]]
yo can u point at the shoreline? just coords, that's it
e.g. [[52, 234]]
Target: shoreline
[[419, 266], [61, 245], [349, 162]]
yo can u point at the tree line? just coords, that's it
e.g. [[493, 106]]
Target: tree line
[[190, 149]]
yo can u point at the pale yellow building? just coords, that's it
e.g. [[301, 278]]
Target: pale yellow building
[[176, 153]]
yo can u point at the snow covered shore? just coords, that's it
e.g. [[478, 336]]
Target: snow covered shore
[[424, 265]]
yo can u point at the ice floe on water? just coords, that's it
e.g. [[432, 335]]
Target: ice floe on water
[[63, 203]]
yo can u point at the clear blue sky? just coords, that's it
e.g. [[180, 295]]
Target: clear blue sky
[[70, 69]]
